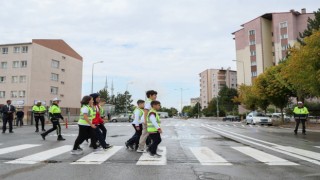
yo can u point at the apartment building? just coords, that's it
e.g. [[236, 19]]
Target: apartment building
[[212, 81], [40, 70], [194, 101], [264, 41]]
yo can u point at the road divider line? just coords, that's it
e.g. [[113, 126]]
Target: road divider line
[[245, 139], [17, 148], [146, 159], [98, 157], [302, 152], [207, 157], [45, 155], [264, 157]]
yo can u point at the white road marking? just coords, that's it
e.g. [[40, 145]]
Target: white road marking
[[302, 152], [192, 125], [317, 146], [226, 125], [242, 125], [17, 148], [207, 157], [98, 157], [250, 125], [176, 125], [246, 139], [183, 124], [146, 159], [263, 157], [234, 125], [38, 157]]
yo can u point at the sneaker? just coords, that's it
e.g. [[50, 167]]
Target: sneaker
[[108, 146], [37, 130], [76, 152], [60, 138], [157, 155], [43, 136], [141, 151], [79, 148], [129, 146], [10, 131]]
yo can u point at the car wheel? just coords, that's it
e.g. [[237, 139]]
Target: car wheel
[[252, 122], [114, 120]]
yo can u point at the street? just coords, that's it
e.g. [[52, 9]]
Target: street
[[191, 149]]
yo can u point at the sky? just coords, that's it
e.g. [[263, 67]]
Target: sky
[[144, 44]]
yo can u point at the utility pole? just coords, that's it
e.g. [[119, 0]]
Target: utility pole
[[217, 107], [181, 89]]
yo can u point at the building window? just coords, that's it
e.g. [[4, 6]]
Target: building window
[[2, 79], [23, 79], [63, 70], [283, 25], [5, 50], [285, 47], [54, 90], [54, 77], [2, 94], [16, 49], [15, 64], [252, 32], [23, 64], [3, 65], [14, 94], [252, 53], [22, 94], [284, 36], [252, 42], [253, 63], [24, 49], [55, 64], [62, 82], [15, 79], [273, 54], [254, 74]]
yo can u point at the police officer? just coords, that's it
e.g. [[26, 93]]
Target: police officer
[[38, 113], [55, 115], [300, 115]]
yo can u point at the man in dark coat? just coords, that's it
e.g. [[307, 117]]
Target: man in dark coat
[[8, 111]]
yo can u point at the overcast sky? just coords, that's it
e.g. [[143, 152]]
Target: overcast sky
[[145, 44]]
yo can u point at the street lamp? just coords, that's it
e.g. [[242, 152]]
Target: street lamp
[[244, 80], [92, 74], [126, 97], [181, 89]]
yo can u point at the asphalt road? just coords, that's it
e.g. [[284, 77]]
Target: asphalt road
[[192, 149]]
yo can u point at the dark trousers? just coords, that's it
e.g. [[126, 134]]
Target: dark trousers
[[55, 126], [6, 120], [303, 121], [41, 118], [135, 138], [100, 137], [104, 131], [19, 121], [156, 140], [85, 132]]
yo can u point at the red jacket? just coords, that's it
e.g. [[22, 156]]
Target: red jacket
[[97, 119]]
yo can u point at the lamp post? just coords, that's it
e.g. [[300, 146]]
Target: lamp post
[[126, 97], [244, 80], [181, 89], [92, 74]]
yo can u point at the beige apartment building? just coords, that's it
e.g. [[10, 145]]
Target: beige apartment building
[[264, 41], [40, 70], [212, 80]]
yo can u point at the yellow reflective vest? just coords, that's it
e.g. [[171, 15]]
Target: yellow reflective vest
[[82, 121], [300, 113], [150, 126], [38, 110]]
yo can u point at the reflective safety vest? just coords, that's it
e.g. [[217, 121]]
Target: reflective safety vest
[[38, 110], [140, 114], [54, 109], [150, 126], [82, 121], [300, 113]]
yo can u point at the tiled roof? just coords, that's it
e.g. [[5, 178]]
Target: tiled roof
[[58, 45]]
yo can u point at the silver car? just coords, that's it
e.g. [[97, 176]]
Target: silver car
[[258, 118], [121, 118]]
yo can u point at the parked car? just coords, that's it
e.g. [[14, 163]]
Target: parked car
[[121, 118], [258, 118], [231, 118], [277, 116]]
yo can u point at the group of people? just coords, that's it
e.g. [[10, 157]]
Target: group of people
[[147, 125]]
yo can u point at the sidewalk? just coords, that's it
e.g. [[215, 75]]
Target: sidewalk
[[309, 126]]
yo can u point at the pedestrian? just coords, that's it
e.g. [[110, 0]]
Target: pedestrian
[[38, 114], [101, 131], [86, 128], [137, 125], [151, 96], [109, 116], [8, 113], [55, 115], [300, 115], [154, 128], [19, 115]]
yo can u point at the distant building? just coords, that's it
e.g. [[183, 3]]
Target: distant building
[[40, 70], [194, 101], [212, 80], [263, 41]]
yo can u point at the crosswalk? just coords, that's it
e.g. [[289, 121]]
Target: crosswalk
[[202, 155]]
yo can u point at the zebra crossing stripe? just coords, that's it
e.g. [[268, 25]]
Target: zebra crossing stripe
[[264, 157], [207, 157], [17, 148], [98, 157], [302, 152], [317, 146], [38, 157], [146, 159]]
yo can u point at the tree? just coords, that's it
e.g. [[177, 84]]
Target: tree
[[226, 96], [171, 112], [105, 95], [122, 102], [196, 110], [247, 97], [313, 25], [259, 89]]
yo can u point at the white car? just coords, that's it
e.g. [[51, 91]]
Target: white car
[[258, 118]]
